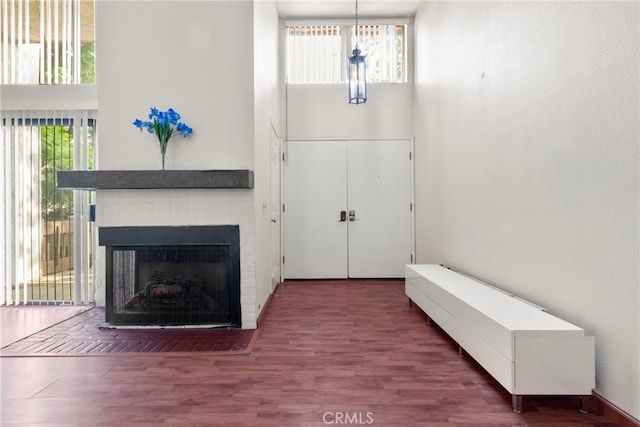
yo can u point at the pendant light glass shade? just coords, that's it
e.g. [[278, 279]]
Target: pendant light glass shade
[[357, 78]]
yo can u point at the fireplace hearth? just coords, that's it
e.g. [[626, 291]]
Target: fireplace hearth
[[187, 275]]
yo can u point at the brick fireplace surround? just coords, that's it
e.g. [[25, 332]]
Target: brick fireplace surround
[[152, 198]]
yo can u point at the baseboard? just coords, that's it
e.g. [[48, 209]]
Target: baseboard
[[265, 308], [609, 410]]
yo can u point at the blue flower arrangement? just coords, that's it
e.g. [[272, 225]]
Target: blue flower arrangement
[[164, 124]]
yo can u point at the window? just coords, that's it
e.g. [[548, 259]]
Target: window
[[46, 251], [315, 54], [46, 238], [318, 53], [47, 42]]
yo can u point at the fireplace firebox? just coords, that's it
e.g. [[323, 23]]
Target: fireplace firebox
[[186, 275]]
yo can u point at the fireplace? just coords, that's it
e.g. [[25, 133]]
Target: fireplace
[[187, 275]]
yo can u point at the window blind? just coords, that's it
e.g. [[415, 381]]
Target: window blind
[[41, 40], [318, 53], [45, 231]]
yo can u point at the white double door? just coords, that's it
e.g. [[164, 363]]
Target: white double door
[[347, 209]]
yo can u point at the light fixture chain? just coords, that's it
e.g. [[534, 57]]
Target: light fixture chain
[[356, 24], [357, 71]]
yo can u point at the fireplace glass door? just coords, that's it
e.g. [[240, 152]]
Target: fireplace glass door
[[172, 275], [170, 285]]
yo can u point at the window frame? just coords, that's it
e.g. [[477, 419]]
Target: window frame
[[346, 30]]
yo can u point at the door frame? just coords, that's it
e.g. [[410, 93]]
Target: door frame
[[284, 147], [275, 176]]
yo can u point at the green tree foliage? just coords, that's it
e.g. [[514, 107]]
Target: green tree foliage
[[57, 154], [88, 64]]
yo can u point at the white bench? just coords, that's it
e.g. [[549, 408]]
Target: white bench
[[527, 350]]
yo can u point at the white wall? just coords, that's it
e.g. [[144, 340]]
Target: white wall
[[323, 111], [527, 137], [196, 57]]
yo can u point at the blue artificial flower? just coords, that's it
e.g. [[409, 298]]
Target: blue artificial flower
[[172, 116], [184, 129], [161, 117], [154, 113], [163, 124]]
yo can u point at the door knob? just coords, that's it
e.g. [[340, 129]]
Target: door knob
[[343, 216], [352, 215]]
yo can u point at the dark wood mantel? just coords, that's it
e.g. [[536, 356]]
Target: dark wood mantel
[[156, 179]]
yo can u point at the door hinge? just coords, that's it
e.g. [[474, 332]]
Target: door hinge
[[410, 207], [411, 257], [283, 157], [283, 259], [410, 155], [283, 207]]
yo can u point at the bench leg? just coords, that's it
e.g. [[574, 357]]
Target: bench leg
[[582, 404], [516, 403]]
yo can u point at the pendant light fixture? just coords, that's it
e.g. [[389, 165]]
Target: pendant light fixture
[[357, 73]]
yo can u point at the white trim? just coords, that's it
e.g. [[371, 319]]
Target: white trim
[[337, 138], [412, 190], [343, 22], [49, 97]]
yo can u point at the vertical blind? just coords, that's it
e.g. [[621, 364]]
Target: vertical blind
[[314, 54], [40, 41], [46, 235], [318, 53], [384, 47]]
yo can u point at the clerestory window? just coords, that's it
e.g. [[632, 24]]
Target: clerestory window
[[318, 53], [47, 42]]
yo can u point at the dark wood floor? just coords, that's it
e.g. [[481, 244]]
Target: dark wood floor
[[338, 352], [21, 321]]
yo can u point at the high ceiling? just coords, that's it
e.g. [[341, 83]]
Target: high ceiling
[[346, 8]]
